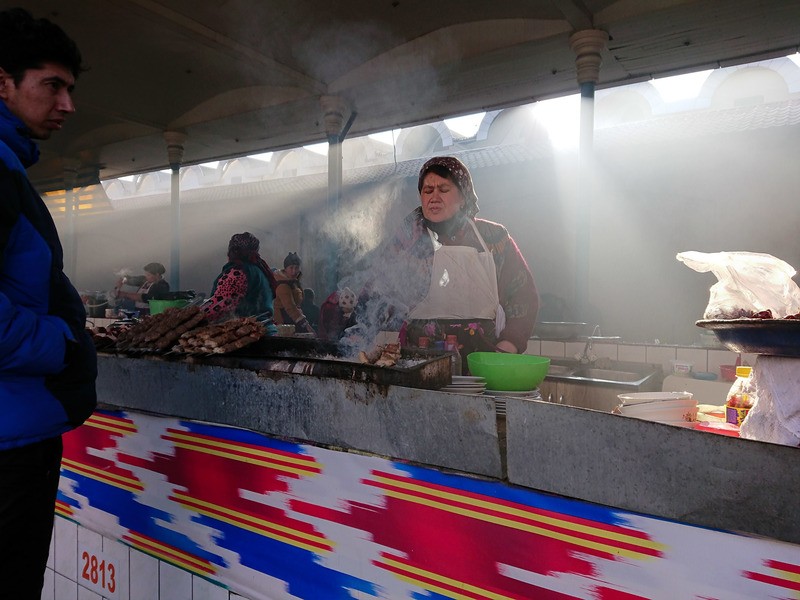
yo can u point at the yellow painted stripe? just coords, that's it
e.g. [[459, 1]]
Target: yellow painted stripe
[[473, 589], [116, 422], [577, 541], [787, 575], [257, 452], [532, 516], [171, 552], [126, 483], [204, 571], [245, 459], [110, 428], [111, 424], [306, 462], [254, 524], [260, 452]]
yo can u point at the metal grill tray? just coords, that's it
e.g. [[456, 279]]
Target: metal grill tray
[[776, 337]]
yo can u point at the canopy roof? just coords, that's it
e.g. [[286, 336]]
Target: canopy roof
[[246, 76]]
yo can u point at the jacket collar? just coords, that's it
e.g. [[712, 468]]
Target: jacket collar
[[16, 136]]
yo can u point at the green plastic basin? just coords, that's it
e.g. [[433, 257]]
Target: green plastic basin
[[509, 372], [159, 306]]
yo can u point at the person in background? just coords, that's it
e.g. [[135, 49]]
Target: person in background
[[459, 275], [289, 295], [310, 310], [245, 286], [48, 363], [154, 285]]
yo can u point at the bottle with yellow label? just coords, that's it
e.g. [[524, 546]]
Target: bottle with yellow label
[[741, 396]]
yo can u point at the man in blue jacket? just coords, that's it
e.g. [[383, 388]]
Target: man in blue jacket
[[48, 363]]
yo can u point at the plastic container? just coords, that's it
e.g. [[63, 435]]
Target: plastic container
[[451, 345], [159, 306], [727, 372], [741, 396], [509, 372], [681, 368]]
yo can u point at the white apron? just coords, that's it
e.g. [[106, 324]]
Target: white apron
[[143, 290], [463, 283]]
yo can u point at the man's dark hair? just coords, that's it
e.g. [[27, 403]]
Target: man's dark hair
[[28, 43]]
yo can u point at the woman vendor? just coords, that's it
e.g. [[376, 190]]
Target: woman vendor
[[154, 285], [246, 285], [289, 295], [473, 281]]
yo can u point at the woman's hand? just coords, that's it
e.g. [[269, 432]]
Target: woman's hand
[[506, 346]]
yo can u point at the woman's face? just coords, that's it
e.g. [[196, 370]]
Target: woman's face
[[441, 199], [151, 277], [292, 271]]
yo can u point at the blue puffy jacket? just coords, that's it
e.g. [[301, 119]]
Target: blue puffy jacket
[[48, 363]]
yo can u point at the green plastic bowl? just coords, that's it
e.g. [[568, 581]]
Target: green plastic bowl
[[509, 372], [159, 306]]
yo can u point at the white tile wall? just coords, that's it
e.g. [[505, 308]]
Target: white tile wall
[[661, 355], [66, 589], [66, 549], [120, 554], [203, 589], [720, 357], [551, 348], [49, 587], [144, 576], [698, 357], [177, 581], [631, 353], [84, 594], [534, 347]]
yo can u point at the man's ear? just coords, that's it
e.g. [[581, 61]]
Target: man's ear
[[5, 81]]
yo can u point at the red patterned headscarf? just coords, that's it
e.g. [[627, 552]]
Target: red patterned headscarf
[[243, 247], [459, 174]]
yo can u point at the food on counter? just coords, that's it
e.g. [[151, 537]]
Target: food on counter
[[220, 338], [385, 355], [160, 331], [104, 338]]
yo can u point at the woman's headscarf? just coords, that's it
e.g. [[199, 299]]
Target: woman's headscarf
[[243, 247], [459, 174]]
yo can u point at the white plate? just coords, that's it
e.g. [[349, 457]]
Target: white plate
[[468, 379], [523, 394], [463, 388]]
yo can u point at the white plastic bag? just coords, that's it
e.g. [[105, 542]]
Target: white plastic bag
[[748, 283]]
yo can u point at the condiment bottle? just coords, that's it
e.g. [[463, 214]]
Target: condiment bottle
[[451, 345], [741, 396]]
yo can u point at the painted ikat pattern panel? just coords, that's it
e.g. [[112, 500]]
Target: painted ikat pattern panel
[[276, 520]]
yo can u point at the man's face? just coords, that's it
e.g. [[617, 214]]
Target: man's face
[[42, 100]]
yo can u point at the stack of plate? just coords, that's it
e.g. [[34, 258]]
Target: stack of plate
[[500, 397], [464, 384]]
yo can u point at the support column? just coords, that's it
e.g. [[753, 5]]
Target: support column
[[175, 140], [334, 110], [69, 243], [587, 45]]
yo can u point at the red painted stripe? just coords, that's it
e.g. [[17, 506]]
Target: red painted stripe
[[783, 566], [776, 581], [513, 505], [233, 517], [530, 521], [212, 442], [428, 583], [144, 542]]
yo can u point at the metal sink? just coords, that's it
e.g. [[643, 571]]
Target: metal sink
[[615, 373], [607, 374]]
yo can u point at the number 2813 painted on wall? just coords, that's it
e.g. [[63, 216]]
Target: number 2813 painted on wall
[[98, 573]]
